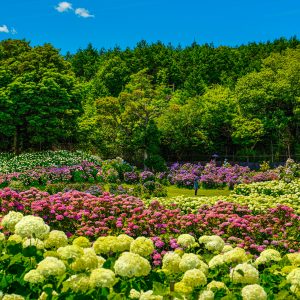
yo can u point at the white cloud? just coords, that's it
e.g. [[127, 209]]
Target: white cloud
[[63, 6], [84, 13], [13, 31], [4, 29]]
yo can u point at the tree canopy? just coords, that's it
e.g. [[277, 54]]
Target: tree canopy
[[154, 101]]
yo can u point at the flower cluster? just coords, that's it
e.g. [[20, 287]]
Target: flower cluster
[[213, 176], [74, 267], [46, 159], [86, 215], [85, 171]]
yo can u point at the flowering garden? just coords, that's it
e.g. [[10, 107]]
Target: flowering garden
[[76, 227]]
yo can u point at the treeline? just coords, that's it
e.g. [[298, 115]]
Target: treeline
[[154, 102]]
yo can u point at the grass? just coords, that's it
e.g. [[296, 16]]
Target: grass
[[174, 191]]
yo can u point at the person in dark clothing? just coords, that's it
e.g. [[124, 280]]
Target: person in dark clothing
[[196, 185]]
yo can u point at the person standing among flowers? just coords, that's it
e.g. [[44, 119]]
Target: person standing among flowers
[[196, 185]]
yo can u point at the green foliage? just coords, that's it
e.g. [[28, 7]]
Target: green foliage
[[40, 99], [16, 185], [154, 102], [71, 271]]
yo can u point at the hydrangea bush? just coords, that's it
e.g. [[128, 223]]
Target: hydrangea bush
[[39, 263], [83, 214], [258, 196], [212, 176], [29, 161]]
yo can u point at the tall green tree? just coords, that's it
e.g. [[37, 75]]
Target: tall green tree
[[40, 101], [272, 96], [111, 78]]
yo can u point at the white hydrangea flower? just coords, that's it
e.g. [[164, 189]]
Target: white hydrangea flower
[[2, 237], [51, 266], [13, 297], [294, 258], [77, 283], [132, 265], [203, 267], [216, 261], [206, 295], [10, 220], [186, 240], [227, 248], [171, 262], [254, 292], [102, 278], [87, 262], [33, 242], [123, 242], [267, 256], [89, 251], [15, 238], [194, 278], [82, 242], [134, 294], [212, 243], [70, 252], [217, 285], [101, 261], [34, 276], [236, 255], [56, 239], [294, 277], [31, 226], [142, 246], [149, 296], [44, 296], [105, 244], [182, 288], [295, 289], [189, 261], [244, 273]]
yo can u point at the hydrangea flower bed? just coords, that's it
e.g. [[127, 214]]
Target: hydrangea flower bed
[[29, 161], [257, 196], [37, 263], [254, 201], [87, 215], [270, 188], [213, 176], [33, 169], [84, 172]]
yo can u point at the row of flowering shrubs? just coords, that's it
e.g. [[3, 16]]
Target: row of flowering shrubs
[[84, 172], [111, 172], [257, 196], [271, 188], [253, 202], [34, 169], [87, 215], [39, 263], [213, 176], [28, 161]]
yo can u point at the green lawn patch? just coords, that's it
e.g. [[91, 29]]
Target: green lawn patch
[[174, 191]]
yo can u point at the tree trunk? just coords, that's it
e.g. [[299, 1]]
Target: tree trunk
[[15, 142], [145, 158], [289, 150], [272, 152]]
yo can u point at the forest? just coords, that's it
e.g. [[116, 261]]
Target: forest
[[154, 102]]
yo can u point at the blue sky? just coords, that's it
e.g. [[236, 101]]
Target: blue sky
[[106, 23]]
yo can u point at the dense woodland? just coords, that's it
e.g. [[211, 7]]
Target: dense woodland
[[154, 102]]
